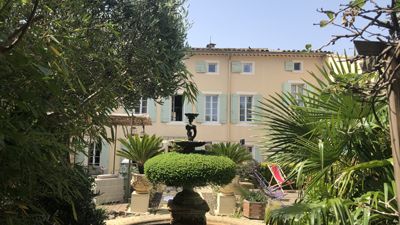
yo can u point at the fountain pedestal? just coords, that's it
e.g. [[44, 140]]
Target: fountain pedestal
[[188, 207]]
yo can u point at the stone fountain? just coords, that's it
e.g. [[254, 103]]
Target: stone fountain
[[187, 170]]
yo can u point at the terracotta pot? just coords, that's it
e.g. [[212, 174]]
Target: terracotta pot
[[254, 210], [140, 183], [230, 188]]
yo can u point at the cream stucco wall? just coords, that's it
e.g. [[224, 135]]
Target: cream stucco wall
[[267, 79]]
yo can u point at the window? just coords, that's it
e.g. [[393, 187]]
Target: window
[[94, 153], [211, 114], [247, 67], [297, 90], [246, 103], [141, 107], [177, 108], [212, 67], [297, 66]]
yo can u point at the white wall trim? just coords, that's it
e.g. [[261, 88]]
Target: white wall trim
[[245, 93]]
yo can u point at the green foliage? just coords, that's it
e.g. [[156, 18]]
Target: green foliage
[[236, 152], [252, 196], [337, 146], [175, 169], [83, 205], [64, 67], [140, 149]]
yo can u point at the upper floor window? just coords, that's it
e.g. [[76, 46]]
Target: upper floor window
[[177, 108], [294, 66], [209, 67], [242, 67], [211, 110], [297, 66], [94, 153], [141, 107], [247, 67], [246, 104], [212, 67]]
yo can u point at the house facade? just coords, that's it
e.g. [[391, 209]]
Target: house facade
[[231, 82]]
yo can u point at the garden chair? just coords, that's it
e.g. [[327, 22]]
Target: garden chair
[[279, 177], [271, 192]]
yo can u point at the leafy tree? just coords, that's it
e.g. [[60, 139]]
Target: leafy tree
[[338, 148], [64, 67]]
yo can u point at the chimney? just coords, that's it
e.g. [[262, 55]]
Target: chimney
[[210, 45]]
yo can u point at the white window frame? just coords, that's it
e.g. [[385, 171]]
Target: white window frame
[[205, 109], [291, 83], [92, 159], [217, 67], [252, 67], [141, 108], [301, 67], [252, 106]]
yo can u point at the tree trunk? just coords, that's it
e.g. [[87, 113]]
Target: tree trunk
[[394, 116]]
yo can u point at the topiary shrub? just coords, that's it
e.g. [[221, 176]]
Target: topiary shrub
[[176, 169]]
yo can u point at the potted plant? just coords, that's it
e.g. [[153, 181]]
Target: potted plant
[[253, 204], [139, 150], [238, 154], [189, 171]]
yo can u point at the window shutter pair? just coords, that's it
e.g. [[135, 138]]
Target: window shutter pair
[[235, 113], [289, 66], [222, 110], [166, 110], [236, 67], [201, 67]]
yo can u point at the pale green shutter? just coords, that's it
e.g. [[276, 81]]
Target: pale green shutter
[[200, 108], [234, 108], [286, 88], [105, 155], [166, 111], [289, 66], [201, 67], [187, 108], [256, 103], [236, 67], [222, 108], [152, 110], [81, 158]]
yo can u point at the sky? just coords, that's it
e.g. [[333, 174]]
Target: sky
[[272, 24]]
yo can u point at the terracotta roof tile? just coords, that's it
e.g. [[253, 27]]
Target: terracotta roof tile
[[256, 50]]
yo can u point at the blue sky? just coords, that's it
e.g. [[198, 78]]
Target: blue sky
[[269, 24]]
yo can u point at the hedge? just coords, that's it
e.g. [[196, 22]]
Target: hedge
[[176, 169]]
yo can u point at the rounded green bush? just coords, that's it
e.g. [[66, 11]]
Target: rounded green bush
[[175, 169]]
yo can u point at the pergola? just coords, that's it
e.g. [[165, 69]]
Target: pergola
[[127, 120]]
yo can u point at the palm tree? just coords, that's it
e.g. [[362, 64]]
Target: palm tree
[[140, 149], [337, 146], [236, 152]]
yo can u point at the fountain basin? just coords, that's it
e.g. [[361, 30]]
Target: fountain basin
[[189, 146], [165, 220]]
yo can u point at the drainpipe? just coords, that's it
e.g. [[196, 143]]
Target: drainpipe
[[229, 95]]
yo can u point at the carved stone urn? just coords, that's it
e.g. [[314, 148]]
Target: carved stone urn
[[140, 183]]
